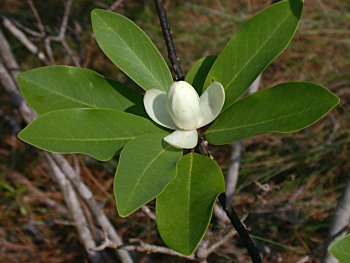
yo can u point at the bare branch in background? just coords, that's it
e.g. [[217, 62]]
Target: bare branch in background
[[143, 247], [74, 207], [117, 4], [11, 27], [8, 82], [36, 15]]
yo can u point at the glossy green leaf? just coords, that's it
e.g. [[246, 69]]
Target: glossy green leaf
[[198, 72], [61, 87], [185, 206], [254, 46], [100, 133], [287, 107], [341, 249], [146, 165], [131, 50]]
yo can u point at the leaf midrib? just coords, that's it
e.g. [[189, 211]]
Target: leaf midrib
[[60, 94], [258, 51], [80, 140], [143, 174], [141, 62], [266, 121], [189, 200]]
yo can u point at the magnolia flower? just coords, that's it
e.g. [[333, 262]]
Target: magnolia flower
[[182, 110]]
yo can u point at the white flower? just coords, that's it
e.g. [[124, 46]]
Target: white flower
[[182, 110]]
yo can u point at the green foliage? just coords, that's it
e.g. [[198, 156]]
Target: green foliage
[[199, 71], [131, 50], [287, 107], [146, 165], [253, 47], [100, 133], [341, 249], [61, 87], [185, 206], [84, 112]]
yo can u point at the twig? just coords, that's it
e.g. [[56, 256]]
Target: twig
[[89, 199], [241, 230], [174, 60], [116, 5], [10, 26], [74, 207], [61, 37], [36, 15], [143, 247], [209, 250]]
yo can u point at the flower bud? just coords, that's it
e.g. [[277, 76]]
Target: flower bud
[[183, 105]]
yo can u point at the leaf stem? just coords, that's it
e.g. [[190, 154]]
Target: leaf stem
[[174, 60]]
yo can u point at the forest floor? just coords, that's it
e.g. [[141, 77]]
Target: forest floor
[[305, 171]]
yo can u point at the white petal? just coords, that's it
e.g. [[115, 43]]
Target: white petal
[[155, 102], [183, 105], [211, 103], [183, 139]]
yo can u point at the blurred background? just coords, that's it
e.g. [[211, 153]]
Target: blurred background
[[288, 184]]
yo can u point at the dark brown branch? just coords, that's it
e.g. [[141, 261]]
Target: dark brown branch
[[241, 230], [174, 60]]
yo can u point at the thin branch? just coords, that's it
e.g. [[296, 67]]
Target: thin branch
[[17, 33], [143, 247], [242, 231], [67, 10], [36, 15], [174, 60], [89, 199], [74, 207], [61, 37], [116, 5]]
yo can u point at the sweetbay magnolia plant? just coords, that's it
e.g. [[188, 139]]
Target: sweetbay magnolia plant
[[81, 111]]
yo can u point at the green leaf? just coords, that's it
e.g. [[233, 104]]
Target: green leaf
[[199, 71], [61, 87], [131, 50], [185, 206], [257, 43], [146, 165], [100, 133], [287, 107], [341, 249]]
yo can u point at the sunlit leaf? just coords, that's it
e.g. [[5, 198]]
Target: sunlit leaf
[[100, 133], [341, 249], [130, 49], [287, 107], [185, 207], [61, 87], [253, 47], [146, 165]]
